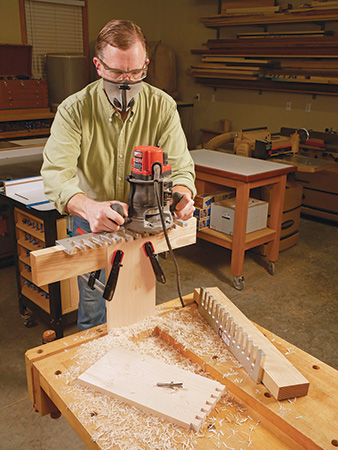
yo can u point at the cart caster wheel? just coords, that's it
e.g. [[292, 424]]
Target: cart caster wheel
[[238, 283], [271, 267]]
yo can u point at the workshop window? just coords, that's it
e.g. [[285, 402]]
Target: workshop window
[[53, 26]]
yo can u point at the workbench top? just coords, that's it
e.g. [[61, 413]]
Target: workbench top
[[246, 417], [238, 167]]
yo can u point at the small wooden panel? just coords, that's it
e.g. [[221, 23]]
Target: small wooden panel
[[281, 378], [133, 377]]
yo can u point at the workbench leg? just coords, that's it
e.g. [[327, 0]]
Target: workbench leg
[[276, 212], [238, 240]]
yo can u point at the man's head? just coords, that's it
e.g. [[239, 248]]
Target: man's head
[[122, 34], [121, 60]]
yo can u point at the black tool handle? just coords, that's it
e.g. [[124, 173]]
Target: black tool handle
[[149, 251], [117, 207], [177, 197], [113, 276]]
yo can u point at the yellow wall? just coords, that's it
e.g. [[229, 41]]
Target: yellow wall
[[10, 32], [176, 23]]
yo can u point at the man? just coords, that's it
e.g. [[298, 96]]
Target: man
[[93, 136]]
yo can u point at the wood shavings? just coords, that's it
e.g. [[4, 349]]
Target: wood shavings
[[117, 425]]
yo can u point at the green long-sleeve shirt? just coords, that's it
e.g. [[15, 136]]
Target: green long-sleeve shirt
[[90, 147]]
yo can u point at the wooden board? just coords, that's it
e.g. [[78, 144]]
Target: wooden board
[[132, 377], [245, 4], [282, 379]]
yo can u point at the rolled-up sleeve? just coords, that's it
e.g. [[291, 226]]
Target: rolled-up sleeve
[[59, 169]]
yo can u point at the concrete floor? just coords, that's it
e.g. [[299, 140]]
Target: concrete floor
[[299, 303]]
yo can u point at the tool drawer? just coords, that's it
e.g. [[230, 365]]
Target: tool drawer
[[23, 94]]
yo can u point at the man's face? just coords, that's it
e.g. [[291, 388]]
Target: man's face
[[115, 63], [122, 72]]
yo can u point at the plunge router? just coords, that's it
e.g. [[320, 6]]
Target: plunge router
[[150, 191]]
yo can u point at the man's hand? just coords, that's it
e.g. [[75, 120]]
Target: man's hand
[[185, 207], [99, 214]]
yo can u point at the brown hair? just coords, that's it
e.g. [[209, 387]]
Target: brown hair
[[121, 34]]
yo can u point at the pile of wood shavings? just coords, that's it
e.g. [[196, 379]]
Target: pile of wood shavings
[[121, 426]]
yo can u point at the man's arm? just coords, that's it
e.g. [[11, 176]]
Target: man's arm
[[100, 215]]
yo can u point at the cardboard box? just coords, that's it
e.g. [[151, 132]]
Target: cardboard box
[[203, 201], [203, 223], [222, 216], [200, 213]]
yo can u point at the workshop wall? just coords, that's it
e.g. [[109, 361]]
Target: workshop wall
[[10, 32], [176, 24]]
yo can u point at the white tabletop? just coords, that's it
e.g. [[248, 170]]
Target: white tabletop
[[235, 164]]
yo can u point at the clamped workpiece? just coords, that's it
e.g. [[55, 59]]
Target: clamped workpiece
[[151, 207]]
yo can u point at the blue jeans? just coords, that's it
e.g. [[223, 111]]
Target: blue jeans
[[92, 306]]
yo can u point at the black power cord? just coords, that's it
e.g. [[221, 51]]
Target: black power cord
[[178, 276]]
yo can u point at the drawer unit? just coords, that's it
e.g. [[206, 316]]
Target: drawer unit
[[23, 94], [57, 301]]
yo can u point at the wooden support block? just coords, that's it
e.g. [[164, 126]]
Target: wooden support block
[[280, 377], [133, 377], [135, 294]]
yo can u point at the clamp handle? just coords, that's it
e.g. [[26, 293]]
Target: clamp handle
[[113, 276], [149, 251]]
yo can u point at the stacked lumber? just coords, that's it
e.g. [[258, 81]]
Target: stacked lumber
[[265, 12], [247, 7], [272, 34], [308, 46], [310, 60], [316, 6]]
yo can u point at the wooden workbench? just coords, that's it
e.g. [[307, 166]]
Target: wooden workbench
[[216, 169], [251, 419]]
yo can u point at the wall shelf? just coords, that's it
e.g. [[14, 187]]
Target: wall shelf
[[291, 62]]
